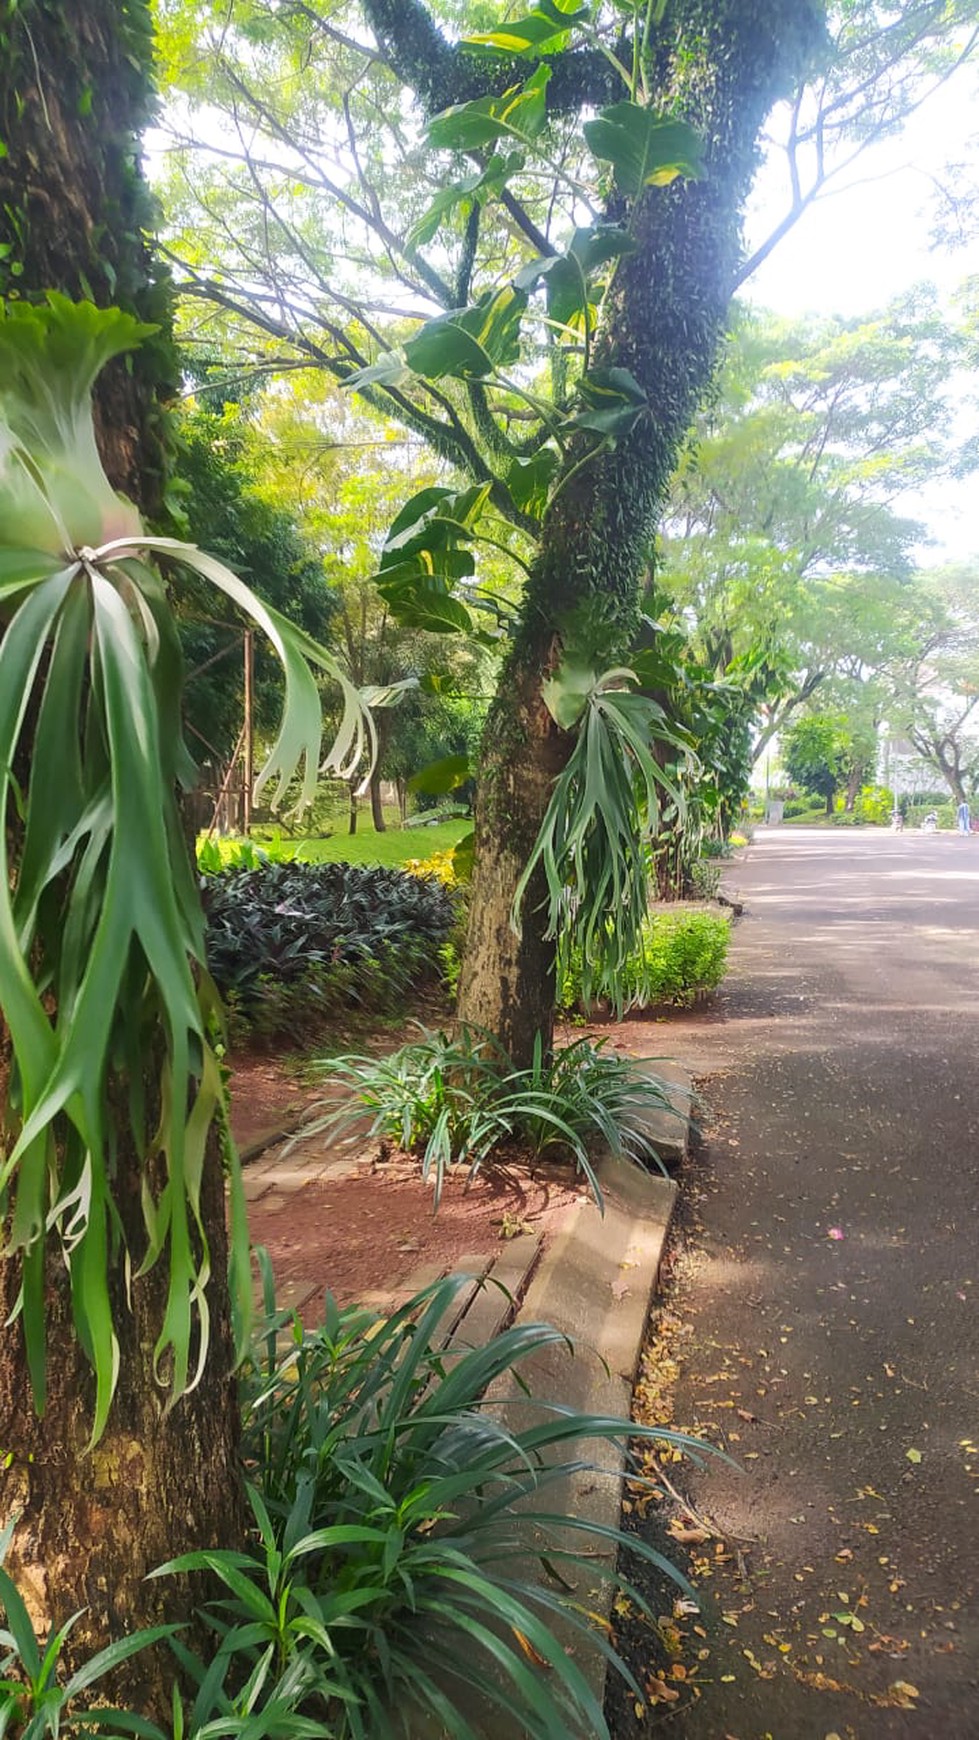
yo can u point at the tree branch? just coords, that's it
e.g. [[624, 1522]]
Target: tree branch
[[442, 73]]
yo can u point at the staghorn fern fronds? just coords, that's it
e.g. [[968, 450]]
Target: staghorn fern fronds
[[101, 933], [605, 808]]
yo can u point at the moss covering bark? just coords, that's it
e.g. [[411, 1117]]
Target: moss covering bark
[[720, 66]]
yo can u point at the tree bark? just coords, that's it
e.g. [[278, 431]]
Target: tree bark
[[75, 94], [93, 1523], [75, 90], [377, 808], [721, 66]]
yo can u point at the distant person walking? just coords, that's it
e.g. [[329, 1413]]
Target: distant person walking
[[962, 817]]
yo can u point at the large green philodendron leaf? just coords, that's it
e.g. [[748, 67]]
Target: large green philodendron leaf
[[103, 982], [645, 149], [546, 30], [520, 113]]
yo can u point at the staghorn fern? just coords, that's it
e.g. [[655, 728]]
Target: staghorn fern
[[594, 841], [101, 931]]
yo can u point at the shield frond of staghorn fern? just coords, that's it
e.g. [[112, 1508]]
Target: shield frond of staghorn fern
[[593, 846], [102, 974]]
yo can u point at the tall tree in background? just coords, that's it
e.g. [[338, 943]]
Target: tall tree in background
[[933, 684], [787, 530], [75, 91]]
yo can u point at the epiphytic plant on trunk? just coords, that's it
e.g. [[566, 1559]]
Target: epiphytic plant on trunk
[[102, 977]]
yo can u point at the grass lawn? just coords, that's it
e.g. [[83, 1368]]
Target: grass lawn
[[392, 847]]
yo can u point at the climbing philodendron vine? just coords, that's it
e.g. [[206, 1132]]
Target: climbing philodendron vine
[[102, 973]]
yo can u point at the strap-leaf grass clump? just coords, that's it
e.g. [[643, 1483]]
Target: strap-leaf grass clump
[[102, 975]]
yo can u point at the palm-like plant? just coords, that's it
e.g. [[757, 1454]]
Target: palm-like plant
[[102, 974]]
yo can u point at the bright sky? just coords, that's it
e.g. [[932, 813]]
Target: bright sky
[[859, 246]]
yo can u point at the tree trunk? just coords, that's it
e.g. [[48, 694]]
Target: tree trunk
[[75, 91], [377, 808], [354, 807], [830, 795], [93, 1523], [721, 66], [75, 94], [507, 982]]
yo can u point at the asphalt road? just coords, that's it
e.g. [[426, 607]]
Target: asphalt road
[[827, 1295]]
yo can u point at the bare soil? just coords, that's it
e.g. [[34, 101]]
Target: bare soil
[[367, 1230], [266, 1095], [372, 1236]]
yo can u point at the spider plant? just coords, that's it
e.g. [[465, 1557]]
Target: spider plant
[[454, 1099], [102, 974]]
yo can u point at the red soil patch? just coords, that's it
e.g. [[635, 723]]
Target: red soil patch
[[265, 1098], [366, 1235]]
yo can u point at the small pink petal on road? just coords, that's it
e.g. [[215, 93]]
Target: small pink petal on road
[[835, 1232]]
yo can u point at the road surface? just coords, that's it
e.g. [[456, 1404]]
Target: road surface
[[825, 1309]]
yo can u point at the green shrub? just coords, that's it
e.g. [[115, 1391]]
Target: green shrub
[[288, 943], [454, 1100], [404, 1560], [450, 963], [715, 849], [411, 1557], [216, 853], [916, 813], [683, 954], [704, 877], [874, 804]]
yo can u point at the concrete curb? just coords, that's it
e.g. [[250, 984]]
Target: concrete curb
[[596, 1283]]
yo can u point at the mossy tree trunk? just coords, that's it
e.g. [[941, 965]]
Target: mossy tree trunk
[[75, 90], [721, 65]]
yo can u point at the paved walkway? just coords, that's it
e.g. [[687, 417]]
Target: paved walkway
[[831, 1295]]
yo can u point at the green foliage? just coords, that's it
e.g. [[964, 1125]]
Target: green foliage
[[704, 876], [874, 804], [220, 508], [944, 814], [680, 955], [454, 1101], [713, 713], [100, 923], [409, 1562], [290, 943], [411, 1557], [604, 807], [644, 149], [215, 854], [815, 751], [784, 537]]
